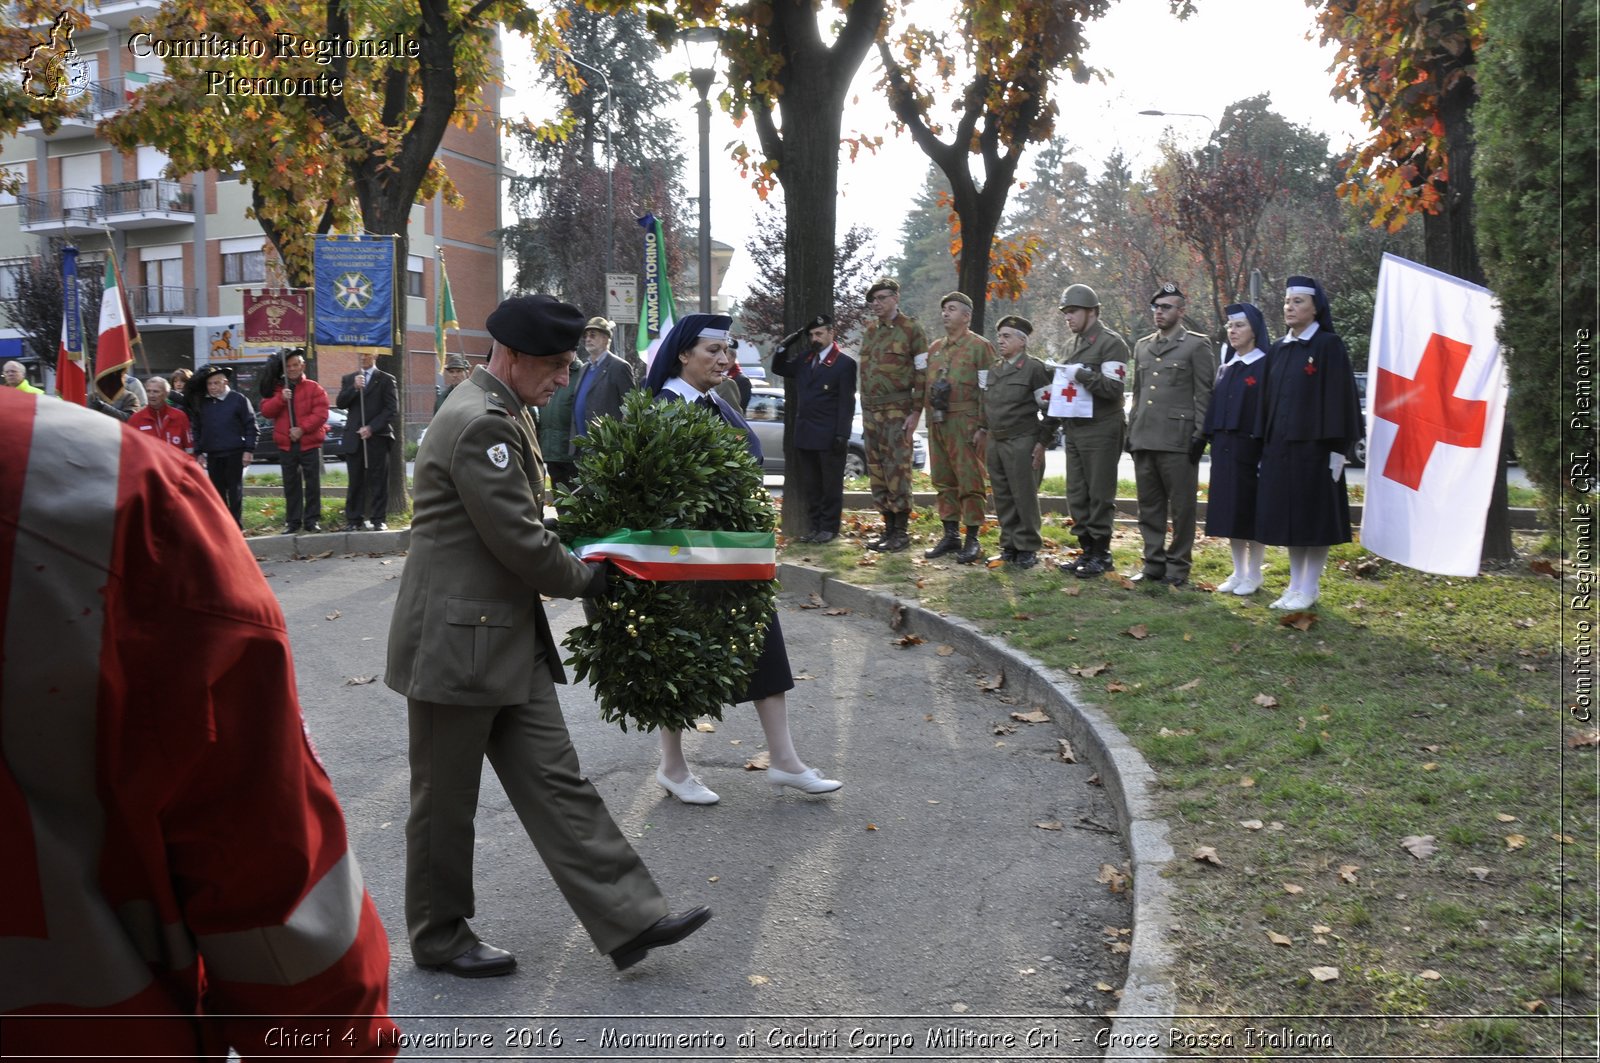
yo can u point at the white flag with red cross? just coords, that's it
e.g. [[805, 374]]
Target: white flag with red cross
[[1437, 406]]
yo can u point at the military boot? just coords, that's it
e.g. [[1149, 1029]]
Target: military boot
[[888, 531], [947, 545], [899, 539], [970, 550], [1096, 559]]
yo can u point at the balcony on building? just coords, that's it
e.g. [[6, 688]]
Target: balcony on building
[[61, 212], [146, 204], [155, 304], [119, 14], [101, 99]]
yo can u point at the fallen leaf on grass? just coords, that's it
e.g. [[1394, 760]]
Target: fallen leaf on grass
[[1584, 740], [1320, 929], [1247, 782], [1251, 824], [1127, 584], [1110, 876], [1280, 939], [998, 562], [1430, 975], [1138, 631], [836, 612], [1292, 889], [1505, 817], [1266, 701], [1419, 845], [1544, 568], [1347, 873], [1065, 751], [1480, 873], [1167, 732], [1430, 749], [1022, 616], [360, 680], [1515, 842], [1089, 671], [1072, 592], [335, 615], [1535, 1005], [1206, 854], [1430, 766], [1298, 621], [1564, 839], [1190, 685], [758, 762], [1049, 824], [909, 640], [1325, 974], [705, 727], [1115, 687], [945, 651], [1036, 716]]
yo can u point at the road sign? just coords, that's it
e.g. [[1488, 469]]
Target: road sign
[[622, 298]]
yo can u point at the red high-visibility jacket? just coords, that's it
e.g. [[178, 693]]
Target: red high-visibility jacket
[[170, 847]]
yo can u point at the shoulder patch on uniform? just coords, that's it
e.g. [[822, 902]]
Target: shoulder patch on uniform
[[500, 454]]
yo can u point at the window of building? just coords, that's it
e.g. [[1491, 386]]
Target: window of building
[[244, 261], [414, 275], [10, 273]]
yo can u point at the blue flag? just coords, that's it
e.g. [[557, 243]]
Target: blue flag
[[354, 285]]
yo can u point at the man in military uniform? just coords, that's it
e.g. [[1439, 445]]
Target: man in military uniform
[[1017, 438], [556, 431], [456, 369], [1173, 372], [955, 434], [893, 362], [825, 406], [1093, 444], [471, 650]]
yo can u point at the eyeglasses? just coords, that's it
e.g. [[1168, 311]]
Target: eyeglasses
[[1163, 306]]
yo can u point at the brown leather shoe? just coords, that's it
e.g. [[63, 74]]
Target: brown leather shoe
[[482, 960], [668, 930]]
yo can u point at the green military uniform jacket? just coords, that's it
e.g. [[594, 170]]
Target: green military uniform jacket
[[1172, 382], [1009, 407], [887, 374], [1092, 348], [959, 361], [555, 430], [468, 627]]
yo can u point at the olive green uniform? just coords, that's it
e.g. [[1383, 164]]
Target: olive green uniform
[[1013, 417], [953, 461], [1172, 381], [471, 650], [891, 387], [1094, 444], [556, 431]]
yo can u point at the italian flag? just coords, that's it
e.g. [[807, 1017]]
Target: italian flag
[[113, 354], [686, 555]]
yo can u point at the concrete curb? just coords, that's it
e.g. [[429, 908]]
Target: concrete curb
[[1149, 996], [298, 547]]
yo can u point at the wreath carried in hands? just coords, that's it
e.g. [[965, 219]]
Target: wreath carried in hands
[[662, 653]]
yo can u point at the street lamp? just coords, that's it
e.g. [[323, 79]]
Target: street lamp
[[700, 44], [610, 234], [1216, 133]]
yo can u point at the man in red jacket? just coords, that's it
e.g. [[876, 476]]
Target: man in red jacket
[[299, 413], [176, 876], [161, 419]]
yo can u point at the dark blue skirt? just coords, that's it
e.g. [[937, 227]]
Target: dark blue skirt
[[1231, 498], [772, 674], [1297, 502]]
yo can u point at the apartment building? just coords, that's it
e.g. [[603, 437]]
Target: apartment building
[[185, 246]]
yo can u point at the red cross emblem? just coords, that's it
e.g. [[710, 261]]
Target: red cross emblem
[[1122, 372], [1425, 410], [1249, 381], [1070, 392]]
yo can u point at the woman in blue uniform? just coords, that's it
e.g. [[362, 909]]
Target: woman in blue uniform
[[690, 362], [1235, 452], [1309, 422]]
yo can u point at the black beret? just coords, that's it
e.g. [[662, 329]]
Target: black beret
[[538, 325], [1021, 324], [1168, 289], [820, 321]]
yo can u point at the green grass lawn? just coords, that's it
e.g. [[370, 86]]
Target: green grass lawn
[[1410, 705]]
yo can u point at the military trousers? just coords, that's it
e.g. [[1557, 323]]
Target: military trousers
[[1167, 485], [888, 457], [1016, 492], [956, 471], [1093, 449], [592, 863]]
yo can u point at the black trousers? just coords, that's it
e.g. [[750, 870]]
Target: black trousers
[[820, 474], [368, 498], [302, 486], [227, 476]]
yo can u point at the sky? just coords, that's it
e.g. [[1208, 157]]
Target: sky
[[1230, 50]]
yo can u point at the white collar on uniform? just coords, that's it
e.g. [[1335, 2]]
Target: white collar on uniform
[[680, 386], [1311, 330], [1250, 357]]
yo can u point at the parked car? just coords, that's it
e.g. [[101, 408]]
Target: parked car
[[266, 451], [765, 414], [1359, 458], [749, 356]]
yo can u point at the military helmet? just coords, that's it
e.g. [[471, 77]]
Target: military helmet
[[1079, 295]]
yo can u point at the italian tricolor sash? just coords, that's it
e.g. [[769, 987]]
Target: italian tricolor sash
[[686, 555]]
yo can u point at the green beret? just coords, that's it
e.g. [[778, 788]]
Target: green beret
[[960, 297], [883, 284]]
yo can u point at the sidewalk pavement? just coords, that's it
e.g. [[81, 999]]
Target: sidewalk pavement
[[948, 898]]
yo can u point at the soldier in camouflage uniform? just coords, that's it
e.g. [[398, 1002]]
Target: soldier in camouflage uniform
[[1017, 437], [893, 357], [1093, 444], [955, 432]]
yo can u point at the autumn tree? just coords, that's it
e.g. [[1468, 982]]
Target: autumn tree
[[37, 309], [763, 313], [924, 265]]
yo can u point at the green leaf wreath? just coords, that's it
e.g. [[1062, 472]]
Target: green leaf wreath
[[661, 653]]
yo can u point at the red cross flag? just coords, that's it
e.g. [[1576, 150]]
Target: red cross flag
[[1436, 408]]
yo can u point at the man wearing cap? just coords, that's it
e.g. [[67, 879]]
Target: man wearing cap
[[1173, 373], [891, 374], [958, 365], [471, 650], [299, 412], [371, 397], [1098, 360], [1019, 385], [605, 381], [456, 369], [825, 406], [224, 434]]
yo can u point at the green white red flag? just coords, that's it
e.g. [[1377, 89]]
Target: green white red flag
[[113, 352], [686, 555]]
